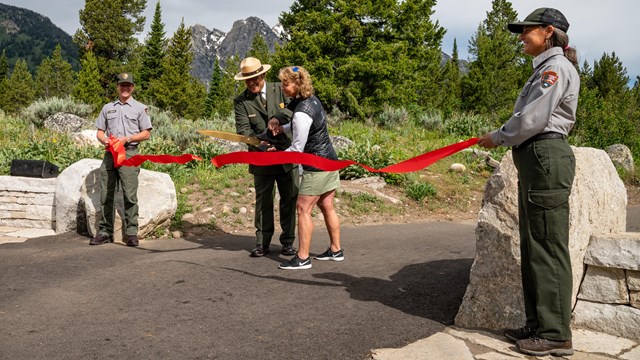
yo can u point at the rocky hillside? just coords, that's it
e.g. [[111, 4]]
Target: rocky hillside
[[209, 44], [27, 35]]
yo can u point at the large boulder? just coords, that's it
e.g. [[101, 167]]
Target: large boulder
[[70, 214], [598, 203], [64, 122], [621, 156], [78, 198]]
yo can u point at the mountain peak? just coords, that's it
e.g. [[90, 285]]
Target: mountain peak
[[211, 44]]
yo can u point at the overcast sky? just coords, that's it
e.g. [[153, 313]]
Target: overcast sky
[[596, 27]]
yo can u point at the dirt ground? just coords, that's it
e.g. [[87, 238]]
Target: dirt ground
[[232, 211]]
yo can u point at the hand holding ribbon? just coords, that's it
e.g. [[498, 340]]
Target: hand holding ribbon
[[117, 150]]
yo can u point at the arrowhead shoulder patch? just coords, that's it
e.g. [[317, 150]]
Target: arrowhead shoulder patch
[[549, 78]]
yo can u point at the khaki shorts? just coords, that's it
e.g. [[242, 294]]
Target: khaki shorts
[[315, 183]]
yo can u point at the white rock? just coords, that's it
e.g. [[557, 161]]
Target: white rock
[[604, 285], [620, 250], [619, 320]]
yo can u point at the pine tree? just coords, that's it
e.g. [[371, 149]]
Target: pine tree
[[4, 65], [498, 71], [154, 52], [610, 76], [108, 28], [230, 85], [89, 90], [22, 91], [362, 55], [260, 50], [451, 84], [54, 76], [176, 89], [217, 102], [4, 72]]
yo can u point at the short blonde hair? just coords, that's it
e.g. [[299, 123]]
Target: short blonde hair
[[299, 76]]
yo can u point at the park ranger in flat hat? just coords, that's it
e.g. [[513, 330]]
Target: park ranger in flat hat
[[253, 108]]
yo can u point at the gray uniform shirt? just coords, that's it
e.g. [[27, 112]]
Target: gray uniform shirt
[[122, 120], [548, 101]]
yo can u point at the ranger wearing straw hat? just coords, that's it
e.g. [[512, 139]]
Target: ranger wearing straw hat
[[254, 107]]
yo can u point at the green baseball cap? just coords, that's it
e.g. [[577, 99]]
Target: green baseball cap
[[125, 78], [542, 16]]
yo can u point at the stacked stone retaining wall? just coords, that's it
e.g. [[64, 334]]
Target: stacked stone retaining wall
[[27, 202]]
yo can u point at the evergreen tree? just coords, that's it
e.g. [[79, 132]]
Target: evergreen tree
[[451, 85], [4, 65], [108, 28], [154, 52], [54, 76], [498, 70], [217, 101], [363, 55], [176, 89], [610, 76], [4, 72], [260, 50], [88, 89], [230, 85], [21, 93]]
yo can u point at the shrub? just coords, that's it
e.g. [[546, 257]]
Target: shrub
[[40, 110], [391, 118], [602, 122], [468, 125], [418, 190], [374, 156], [431, 120]]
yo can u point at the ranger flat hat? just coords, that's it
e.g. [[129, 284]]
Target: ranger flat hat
[[542, 16], [125, 78], [251, 67]]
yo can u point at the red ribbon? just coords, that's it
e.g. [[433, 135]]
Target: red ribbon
[[116, 148], [285, 157]]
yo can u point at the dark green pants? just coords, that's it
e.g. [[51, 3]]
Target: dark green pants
[[264, 219], [546, 170], [111, 178]]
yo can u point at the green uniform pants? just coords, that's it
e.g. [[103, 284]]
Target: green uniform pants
[[264, 219], [546, 170], [110, 179]]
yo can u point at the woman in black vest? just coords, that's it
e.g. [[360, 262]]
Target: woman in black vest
[[318, 187]]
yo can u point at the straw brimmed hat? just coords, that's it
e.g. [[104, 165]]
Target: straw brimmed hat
[[251, 67]]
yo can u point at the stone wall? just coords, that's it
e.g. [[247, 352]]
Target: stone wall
[[609, 297], [27, 202]]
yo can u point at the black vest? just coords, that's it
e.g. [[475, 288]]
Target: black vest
[[318, 141]]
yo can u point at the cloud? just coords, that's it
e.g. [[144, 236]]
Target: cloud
[[594, 30]]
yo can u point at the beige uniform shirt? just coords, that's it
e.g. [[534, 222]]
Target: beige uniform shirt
[[122, 120]]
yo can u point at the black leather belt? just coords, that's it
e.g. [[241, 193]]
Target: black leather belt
[[131, 147], [541, 136]]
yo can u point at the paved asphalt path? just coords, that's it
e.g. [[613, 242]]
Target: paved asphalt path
[[205, 298]]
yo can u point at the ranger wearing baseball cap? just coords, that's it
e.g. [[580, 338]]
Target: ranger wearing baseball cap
[[543, 115], [542, 16], [125, 78], [128, 120]]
